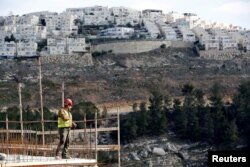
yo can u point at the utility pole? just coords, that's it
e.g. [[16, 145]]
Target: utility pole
[[41, 97]]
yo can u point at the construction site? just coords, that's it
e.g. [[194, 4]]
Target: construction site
[[33, 143]]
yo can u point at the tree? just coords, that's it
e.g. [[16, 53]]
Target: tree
[[241, 101], [85, 108], [191, 111], [143, 119], [217, 113], [9, 39], [180, 119], [156, 113]]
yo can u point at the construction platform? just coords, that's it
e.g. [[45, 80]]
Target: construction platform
[[25, 160]]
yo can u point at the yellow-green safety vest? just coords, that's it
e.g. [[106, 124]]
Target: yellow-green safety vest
[[62, 123]]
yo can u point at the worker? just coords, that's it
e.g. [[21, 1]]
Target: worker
[[65, 123]]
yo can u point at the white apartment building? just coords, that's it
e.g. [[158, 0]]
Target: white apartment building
[[172, 16], [8, 49], [96, 15], [11, 20], [153, 15], [28, 20], [187, 34], [124, 15], [63, 22], [66, 45], [30, 32], [11, 49], [7, 30], [226, 41], [26, 49], [117, 32], [168, 32], [152, 28]]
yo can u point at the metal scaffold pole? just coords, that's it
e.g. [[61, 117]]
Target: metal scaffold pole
[[41, 98], [63, 94], [20, 109], [118, 137]]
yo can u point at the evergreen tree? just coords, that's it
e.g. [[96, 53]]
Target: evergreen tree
[[217, 113], [180, 118], [156, 113], [241, 101], [191, 111], [143, 119]]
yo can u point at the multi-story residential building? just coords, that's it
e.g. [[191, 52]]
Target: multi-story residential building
[[152, 28], [187, 34], [117, 32], [26, 49], [166, 30], [28, 20], [226, 41], [30, 33], [11, 20], [8, 49], [123, 16], [153, 14], [63, 22], [66, 45], [189, 20], [96, 15], [172, 16], [11, 49]]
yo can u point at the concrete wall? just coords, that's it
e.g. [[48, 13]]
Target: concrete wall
[[130, 46]]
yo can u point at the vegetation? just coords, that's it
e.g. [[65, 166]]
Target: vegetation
[[217, 123]]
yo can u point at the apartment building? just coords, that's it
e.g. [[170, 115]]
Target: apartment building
[[30, 32], [63, 22], [173, 16], [66, 45], [11, 20], [226, 41], [26, 49], [11, 49], [8, 49], [152, 28], [208, 41], [187, 34], [96, 15], [117, 32], [28, 20], [167, 31], [123, 16]]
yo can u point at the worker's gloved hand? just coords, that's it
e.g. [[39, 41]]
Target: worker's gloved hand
[[74, 125]]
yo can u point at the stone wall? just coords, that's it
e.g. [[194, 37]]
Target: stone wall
[[222, 54], [84, 60]]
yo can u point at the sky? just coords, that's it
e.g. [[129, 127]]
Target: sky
[[236, 12]]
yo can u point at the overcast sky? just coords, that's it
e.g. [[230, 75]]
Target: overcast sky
[[235, 12]]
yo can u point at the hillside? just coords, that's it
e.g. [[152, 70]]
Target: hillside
[[119, 78]]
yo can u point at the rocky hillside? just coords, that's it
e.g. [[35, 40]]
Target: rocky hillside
[[118, 78]]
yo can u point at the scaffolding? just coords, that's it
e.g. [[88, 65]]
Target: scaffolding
[[26, 146]]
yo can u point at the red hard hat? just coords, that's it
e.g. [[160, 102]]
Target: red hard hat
[[68, 102]]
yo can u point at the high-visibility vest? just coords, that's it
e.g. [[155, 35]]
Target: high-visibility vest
[[62, 123]]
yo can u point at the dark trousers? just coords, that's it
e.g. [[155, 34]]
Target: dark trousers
[[63, 145]]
